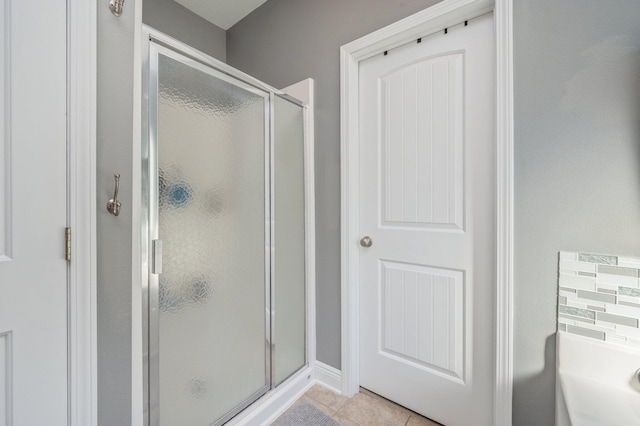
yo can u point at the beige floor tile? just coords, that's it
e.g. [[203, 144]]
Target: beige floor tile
[[385, 401], [344, 421], [365, 409], [326, 397], [416, 420], [368, 392]]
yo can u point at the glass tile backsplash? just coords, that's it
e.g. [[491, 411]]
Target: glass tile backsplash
[[599, 297]]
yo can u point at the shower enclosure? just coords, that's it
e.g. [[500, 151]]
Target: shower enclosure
[[223, 205]]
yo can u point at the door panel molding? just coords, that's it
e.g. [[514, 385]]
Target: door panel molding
[[402, 164], [433, 19], [408, 293]]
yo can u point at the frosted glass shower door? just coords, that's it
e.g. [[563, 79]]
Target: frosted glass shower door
[[288, 302], [211, 336]]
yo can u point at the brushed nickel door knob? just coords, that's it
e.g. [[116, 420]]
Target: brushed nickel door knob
[[366, 241]]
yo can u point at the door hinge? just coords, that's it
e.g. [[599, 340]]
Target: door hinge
[[67, 239]]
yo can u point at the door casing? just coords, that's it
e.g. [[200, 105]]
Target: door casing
[[428, 21], [82, 19]]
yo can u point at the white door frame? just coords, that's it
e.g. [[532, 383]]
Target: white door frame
[[428, 21], [81, 211]]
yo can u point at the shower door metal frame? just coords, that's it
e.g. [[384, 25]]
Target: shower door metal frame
[[150, 223], [153, 43]]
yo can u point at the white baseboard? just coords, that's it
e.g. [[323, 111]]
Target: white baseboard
[[275, 403], [328, 376]]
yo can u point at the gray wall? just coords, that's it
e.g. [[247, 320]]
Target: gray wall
[[182, 24], [577, 156], [577, 136], [114, 154], [577, 73], [283, 42]]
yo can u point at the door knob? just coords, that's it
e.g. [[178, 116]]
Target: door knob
[[366, 241]]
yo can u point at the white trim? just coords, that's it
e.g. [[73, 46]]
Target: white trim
[[305, 92], [137, 337], [81, 93], [274, 403], [430, 20], [349, 213], [503, 400], [328, 376]]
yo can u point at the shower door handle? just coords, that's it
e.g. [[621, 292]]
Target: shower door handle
[[156, 257]]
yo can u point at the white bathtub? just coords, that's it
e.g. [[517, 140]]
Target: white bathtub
[[596, 383]]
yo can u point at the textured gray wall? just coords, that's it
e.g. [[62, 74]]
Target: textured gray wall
[[114, 154], [180, 23], [577, 156], [283, 42]]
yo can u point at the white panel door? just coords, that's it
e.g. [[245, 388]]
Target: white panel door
[[33, 270], [427, 201]]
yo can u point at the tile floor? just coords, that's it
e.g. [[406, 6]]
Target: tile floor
[[364, 409]]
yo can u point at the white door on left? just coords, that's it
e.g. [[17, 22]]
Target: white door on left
[[33, 213]]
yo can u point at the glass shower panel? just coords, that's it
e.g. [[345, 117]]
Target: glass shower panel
[[211, 220], [289, 226]]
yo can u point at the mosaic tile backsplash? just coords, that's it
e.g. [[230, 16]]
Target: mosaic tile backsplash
[[599, 297]]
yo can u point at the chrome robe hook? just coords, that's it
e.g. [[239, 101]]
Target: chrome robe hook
[[115, 6], [113, 206]]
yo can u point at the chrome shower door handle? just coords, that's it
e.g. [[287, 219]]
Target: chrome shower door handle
[[113, 206], [156, 260], [366, 241]]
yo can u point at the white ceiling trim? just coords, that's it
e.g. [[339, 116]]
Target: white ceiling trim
[[223, 13]]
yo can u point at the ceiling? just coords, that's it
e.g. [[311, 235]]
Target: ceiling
[[223, 13]]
